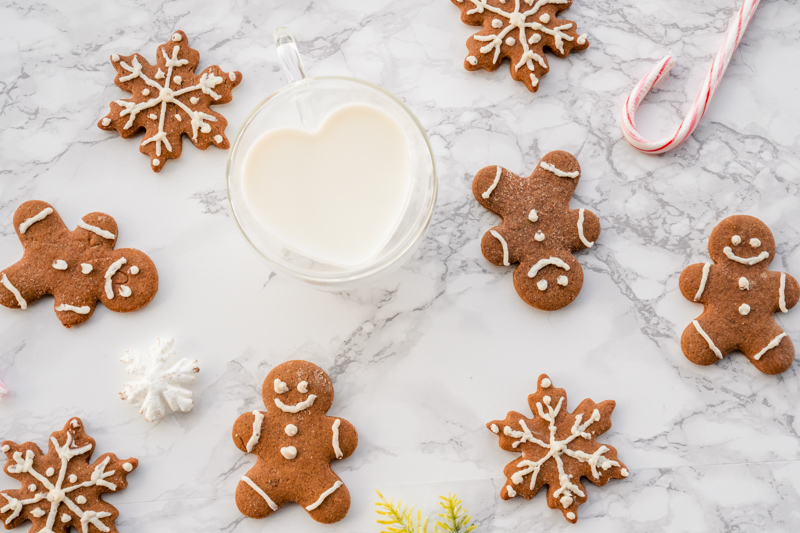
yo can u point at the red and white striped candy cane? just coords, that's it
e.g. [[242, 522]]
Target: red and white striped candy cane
[[698, 109]]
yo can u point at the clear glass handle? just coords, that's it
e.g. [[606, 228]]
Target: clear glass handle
[[292, 67]]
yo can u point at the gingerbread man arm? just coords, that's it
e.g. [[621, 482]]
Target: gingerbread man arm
[[493, 186], [344, 438], [788, 293], [586, 229], [694, 280], [247, 430]]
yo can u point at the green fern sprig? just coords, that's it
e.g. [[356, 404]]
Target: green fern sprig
[[400, 517], [455, 518]]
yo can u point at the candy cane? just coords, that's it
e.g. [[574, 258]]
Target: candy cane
[[698, 109], [3, 390]]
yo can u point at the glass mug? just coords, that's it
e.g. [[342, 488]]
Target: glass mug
[[304, 105]]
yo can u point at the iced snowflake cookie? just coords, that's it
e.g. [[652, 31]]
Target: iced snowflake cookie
[[61, 489], [539, 230], [169, 100], [558, 449], [519, 30], [160, 380], [295, 442], [741, 296], [77, 267]]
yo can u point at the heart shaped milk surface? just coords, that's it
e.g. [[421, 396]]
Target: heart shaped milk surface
[[337, 194]]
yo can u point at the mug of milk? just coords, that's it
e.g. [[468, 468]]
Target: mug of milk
[[331, 179]]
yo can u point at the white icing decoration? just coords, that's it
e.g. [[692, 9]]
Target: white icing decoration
[[290, 430], [112, 269], [106, 121], [65, 518], [494, 428], [782, 294], [38, 217], [539, 236], [81, 500], [510, 491], [488, 192], [567, 490], [504, 244], [544, 19], [563, 280], [703, 334], [323, 496], [472, 60], [98, 231], [127, 467], [280, 387], [194, 100], [581, 40], [555, 261], [82, 310], [624, 472], [744, 284], [542, 285], [114, 57], [755, 243], [159, 381], [7, 284], [37, 513], [177, 80], [159, 75], [152, 116], [772, 344], [260, 492], [750, 261], [258, 420], [736, 240], [744, 309], [125, 291], [289, 452], [497, 23], [546, 383], [302, 387], [60, 264], [86, 268], [32, 487], [510, 41], [156, 162], [560, 173], [581, 236], [703, 281], [178, 117], [533, 216], [133, 270], [232, 76], [301, 406], [5, 448], [177, 37], [571, 515], [335, 441], [218, 139], [145, 92]]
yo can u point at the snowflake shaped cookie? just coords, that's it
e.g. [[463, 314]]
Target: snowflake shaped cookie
[[159, 381], [60, 489], [170, 100], [558, 448], [519, 30]]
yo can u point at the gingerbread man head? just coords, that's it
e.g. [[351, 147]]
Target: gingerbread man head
[[539, 230], [295, 442], [77, 267], [740, 295]]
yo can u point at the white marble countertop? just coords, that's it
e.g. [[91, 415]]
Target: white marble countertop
[[422, 360]]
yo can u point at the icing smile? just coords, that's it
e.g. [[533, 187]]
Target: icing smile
[[744, 260], [299, 406]]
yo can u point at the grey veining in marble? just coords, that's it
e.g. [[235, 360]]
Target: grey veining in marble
[[423, 359]]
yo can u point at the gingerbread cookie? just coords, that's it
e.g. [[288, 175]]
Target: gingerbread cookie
[[519, 30], [295, 442], [558, 448], [539, 230], [77, 267], [741, 296], [170, 100], [60, 489]]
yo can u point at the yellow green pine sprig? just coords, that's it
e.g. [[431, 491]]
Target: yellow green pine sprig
[[400, 518]]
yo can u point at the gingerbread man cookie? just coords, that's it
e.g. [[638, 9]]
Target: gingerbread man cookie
[[77, 267], [539, 230], [741, 296], [295, 442]]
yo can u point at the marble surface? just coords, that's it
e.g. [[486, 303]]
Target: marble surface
[[422, 359]]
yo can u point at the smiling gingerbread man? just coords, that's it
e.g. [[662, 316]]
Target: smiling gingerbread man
[[295, 442], [740, 296]]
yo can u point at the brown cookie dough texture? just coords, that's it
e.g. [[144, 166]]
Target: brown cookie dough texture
[[741, 296], [170, 100], [295, 442], [519, 30], [61, 491], [557, 449], [77, 267], [539, 230]]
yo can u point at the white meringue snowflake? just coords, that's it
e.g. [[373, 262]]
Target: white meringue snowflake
[[159, 385]]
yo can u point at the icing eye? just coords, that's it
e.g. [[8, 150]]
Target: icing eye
[[755, 243], [533, 216], [280, 386], [302, 387], [736, 240]]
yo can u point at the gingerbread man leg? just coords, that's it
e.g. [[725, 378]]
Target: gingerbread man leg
[[330, 502], [771, 350], [257, 494], [703, 343]]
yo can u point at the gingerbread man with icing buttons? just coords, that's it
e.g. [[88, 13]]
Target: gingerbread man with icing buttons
[[741, 296], [295, 442], [539, 230], [77, 267]]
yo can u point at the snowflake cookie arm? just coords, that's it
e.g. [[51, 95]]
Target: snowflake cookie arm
[[514, 430], [344, 438], [694, 281], [248, 430]]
